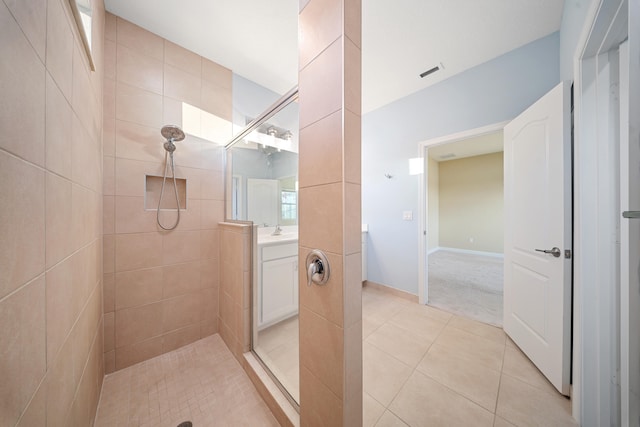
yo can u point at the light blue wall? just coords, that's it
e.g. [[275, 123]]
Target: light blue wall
[[574, 16], [490, 93]]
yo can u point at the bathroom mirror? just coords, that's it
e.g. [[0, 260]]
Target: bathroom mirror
[[82, 14]]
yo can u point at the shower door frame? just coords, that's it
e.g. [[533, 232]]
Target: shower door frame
[[288, 98]]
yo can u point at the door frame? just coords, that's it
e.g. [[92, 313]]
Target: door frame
[[596, 314], [423, 233]]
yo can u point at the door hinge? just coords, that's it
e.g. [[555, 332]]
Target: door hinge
[[567, 253]]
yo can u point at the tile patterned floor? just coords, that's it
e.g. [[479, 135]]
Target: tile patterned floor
[[421, 367], [425, 367], [201, 383]]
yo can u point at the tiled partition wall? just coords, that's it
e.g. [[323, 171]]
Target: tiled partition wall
[[161, 287], [235, 287], [330, 212], [50, 216]]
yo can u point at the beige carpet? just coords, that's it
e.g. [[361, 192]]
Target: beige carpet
[[467, 285]]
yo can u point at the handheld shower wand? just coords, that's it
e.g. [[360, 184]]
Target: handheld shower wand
[[172, 134]]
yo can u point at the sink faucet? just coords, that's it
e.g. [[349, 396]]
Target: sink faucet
[[277, 231]]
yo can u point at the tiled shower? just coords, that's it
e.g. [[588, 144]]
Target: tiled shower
[[160, 287]]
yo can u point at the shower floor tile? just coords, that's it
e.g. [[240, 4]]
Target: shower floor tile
[[201, 383]]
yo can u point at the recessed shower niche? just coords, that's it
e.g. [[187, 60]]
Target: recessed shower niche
[[153, 188]]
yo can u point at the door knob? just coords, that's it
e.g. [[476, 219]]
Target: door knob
[[553, 251]]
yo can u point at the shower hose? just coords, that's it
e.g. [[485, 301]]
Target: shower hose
[[175, 188]]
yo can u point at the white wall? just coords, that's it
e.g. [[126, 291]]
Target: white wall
[[489, 93]]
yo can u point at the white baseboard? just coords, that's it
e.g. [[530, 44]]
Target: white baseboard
[[468, 251]]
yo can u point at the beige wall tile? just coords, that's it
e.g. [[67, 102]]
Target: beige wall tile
[[83, 215], [322, 350], [208, 305], [181, 311], [212, 213], [108, 253], [179, 279], [84, 100], [212, 184], [138, 287], [388, 419], [208, 328], [109, 292], [138, 352], [109, 59], [109, 100], [139, 39], [181, 58], [110, 362], [217, 100], [130, 176], [134, 325], [108, 215], [59, 303], [23, 344], [210, 273], [138, 142], [209, 244], [319, 25], [319, 406], [85, 157], [352, 147], [353, 21], [352, 77], [135, 251], [22, 255], [352, 218], [61, 386], [217, 74], [180, 246], [320, 100], [110, 26], [131, 216], [353, 289], [179, 84], [172, 111], [137, 69], [59, 238], [138, 106], [22, 81], [190, 153], [59, 47], [31, 17], [109, 332], [58, 130], [320, 211], [321, 151], [36, 412], [180, 337]]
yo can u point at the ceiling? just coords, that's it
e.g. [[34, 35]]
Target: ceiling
[[257, 39], [475, 146]]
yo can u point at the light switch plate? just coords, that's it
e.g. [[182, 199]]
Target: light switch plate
[[407, 215]]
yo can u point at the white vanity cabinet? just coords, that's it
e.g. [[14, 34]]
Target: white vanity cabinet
[[278, 282]]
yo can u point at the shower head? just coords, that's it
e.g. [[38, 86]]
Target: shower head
[[172, 133]]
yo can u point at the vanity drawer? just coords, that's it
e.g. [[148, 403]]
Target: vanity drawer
[[279, 251]]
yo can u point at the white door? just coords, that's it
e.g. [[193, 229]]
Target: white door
[[537, 285], [262, 201]]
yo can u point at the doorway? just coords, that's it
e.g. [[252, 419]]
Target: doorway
[[465, 189]]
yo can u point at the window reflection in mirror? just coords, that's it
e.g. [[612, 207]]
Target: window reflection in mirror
[[82, 14]]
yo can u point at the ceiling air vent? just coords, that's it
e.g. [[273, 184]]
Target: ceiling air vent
[[431, 71], [447, 156]]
